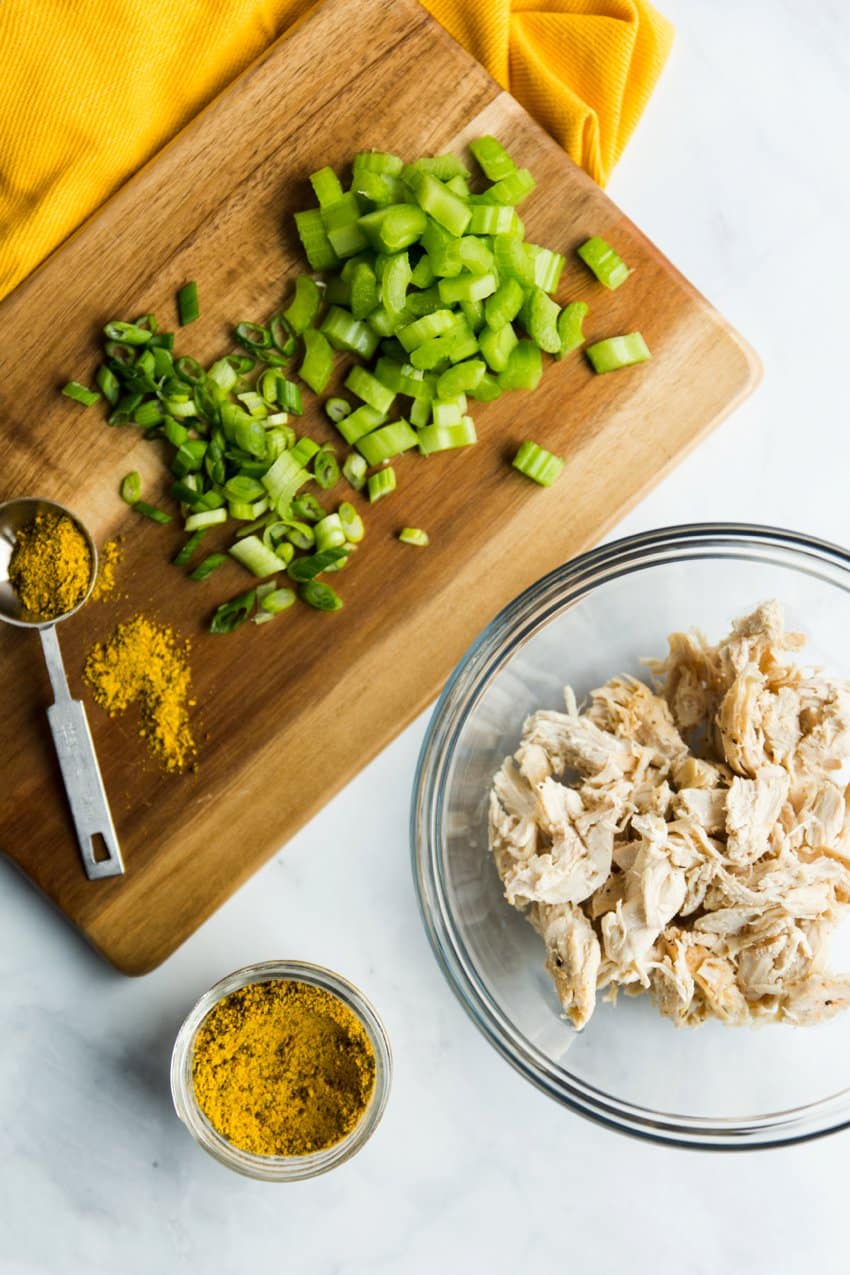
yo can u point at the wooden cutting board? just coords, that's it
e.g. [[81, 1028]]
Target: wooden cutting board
[[289, 712]]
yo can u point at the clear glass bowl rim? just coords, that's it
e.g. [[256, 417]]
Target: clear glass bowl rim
[[279, 1168], [490, 651]]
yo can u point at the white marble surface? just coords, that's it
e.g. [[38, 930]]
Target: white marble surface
[[740, 173]]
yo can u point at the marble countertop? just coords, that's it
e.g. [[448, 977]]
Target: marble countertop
[[737, 173]]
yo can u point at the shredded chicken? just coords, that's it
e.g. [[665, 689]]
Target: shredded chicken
[[691, 841]]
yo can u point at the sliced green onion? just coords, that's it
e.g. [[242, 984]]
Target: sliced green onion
[[304, 450], [317, 364], [325, 467], [188, 309], [306, 508], [131, 487], [109, 384], [387, 442], [247, 510], [233, 613], [127, 333], [304, 307], [253, 336], [494, 160], [606, 264], [381, 484], [329, 533], [570, 322], [243, 488], [205, 519], [183, 555], [414, 536], [443, 438], [617, 352], [320, 596], [304, 569], [253, 554], [354, 471], [283, 479], [537, 464], [255, 404], [208, 566], [352, 523], [301, 534], [337, 408], [150, 511], [370, 389], [277, 601], [80, 393]]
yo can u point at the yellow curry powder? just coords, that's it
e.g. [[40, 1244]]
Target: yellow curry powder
[[143, 662], [283, 1068], [51, 565], [107, 560]]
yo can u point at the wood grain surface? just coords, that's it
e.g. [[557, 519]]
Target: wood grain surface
[[289, 712]]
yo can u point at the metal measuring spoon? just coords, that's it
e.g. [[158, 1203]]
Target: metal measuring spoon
[[67, 717]]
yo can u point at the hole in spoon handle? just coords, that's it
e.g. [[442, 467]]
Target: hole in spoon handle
[[84, 786]]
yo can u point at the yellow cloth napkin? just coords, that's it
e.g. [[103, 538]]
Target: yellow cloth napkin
[[92, 88]]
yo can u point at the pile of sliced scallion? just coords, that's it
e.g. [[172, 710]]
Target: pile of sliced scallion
[[434, 287]]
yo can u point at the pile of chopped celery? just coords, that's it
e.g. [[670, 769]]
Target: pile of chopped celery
[[433, 287]]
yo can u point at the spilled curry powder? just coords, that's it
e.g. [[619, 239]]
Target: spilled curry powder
[[144, 662], [107, 560], [51, 565], [283, 1068]]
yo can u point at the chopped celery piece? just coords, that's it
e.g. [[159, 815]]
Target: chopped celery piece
[[327, 187], [539, 317], [414, 536], [511, 189], [395, 280], [494, 160], [617, 352], [381, 484], [393, 228], [570, 322], [347, 333], [363, 290], [496, 345], [467, 287], [463, 376], [317, 364], [359, 423], [387, 442], [491, 219], [423, 273], [378, 188], [299, 315], [415, 383], [420, 412], [548, 267], [473, 312], [442, 438], [513, 259], [354, 471], [424, 329], [475, 255], [439, 203], [487, 389], [524, 368], [537, 464], [378, 162], [314, 239], [448, 413], [445, 167], [504, 305], [369, 389], [424, 302], [606, 264]]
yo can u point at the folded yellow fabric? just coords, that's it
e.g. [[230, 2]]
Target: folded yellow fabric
[[92, 88]]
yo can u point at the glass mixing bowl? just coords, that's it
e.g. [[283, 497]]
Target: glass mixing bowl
[[630, 1069]]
